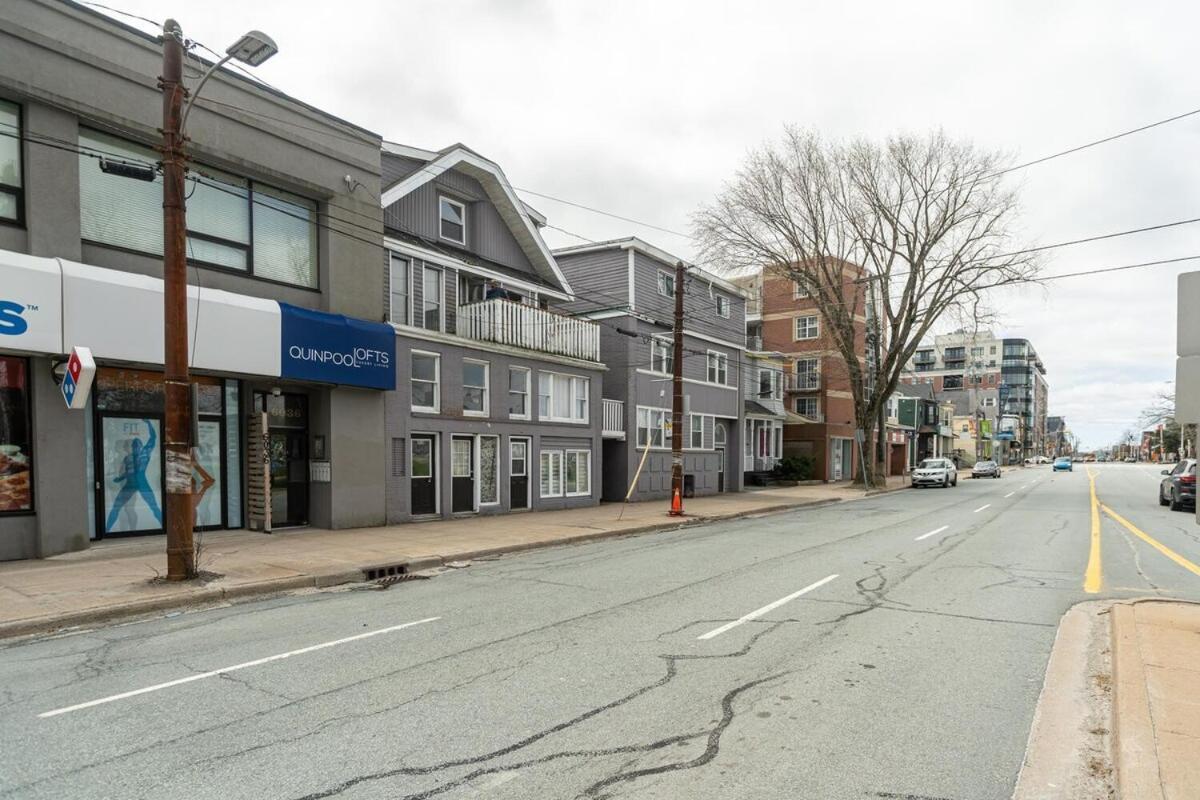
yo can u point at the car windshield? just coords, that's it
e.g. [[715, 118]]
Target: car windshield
[[984, 464], [1063, 460], [933, 463]]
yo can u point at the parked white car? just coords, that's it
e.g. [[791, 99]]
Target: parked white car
[[935, 472]]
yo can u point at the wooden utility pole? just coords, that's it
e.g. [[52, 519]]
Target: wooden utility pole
[[677, 400], [178, 513]]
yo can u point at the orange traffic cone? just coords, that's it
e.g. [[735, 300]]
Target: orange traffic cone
[[676, 504]]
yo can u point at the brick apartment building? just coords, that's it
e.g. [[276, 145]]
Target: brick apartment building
[[820, 391]]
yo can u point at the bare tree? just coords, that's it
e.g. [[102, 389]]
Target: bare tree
[[886, 237]]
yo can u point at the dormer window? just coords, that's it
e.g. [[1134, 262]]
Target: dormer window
[[452, 223]]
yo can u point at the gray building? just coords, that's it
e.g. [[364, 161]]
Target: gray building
[[498, 398], [628, 287], [277, 253]]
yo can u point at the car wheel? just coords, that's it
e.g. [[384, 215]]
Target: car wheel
[[1175, 504], [1162, 501], [955, 481]]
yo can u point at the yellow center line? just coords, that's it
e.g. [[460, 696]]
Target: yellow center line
[[1092, 578], [1157, 545]]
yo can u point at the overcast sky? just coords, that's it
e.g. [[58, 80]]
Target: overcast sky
[[643, 109]]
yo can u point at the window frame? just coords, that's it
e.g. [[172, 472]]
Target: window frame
[[668, 358], [722, 367], [816, 328], [816, 403], [719, 301], [30, 434], [663, 415], [799, 293], [487, 390], [426, 268], [528, 387], [691, 432], [666, 283], [548, 489], [575, 492], [7, 188], [572, 397], [462, 212], [408, 276], [436, 408], [513, 442]]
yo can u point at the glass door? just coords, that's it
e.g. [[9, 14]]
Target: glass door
[[131, 474], [208, 485], [289, 478]]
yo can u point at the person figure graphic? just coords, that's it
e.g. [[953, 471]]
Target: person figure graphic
[[133, 478]]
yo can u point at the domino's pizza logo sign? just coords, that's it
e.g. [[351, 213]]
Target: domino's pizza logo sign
[[12, 319], [77, 381]]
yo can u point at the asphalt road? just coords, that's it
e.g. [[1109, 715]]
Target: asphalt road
[[892, 647]]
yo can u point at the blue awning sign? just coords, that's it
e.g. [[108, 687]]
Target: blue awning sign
[[331, 348]]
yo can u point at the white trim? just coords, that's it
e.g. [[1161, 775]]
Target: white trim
[[528, 415], [432, 461], [487, 387], [571, 378], [408, 151], [528, 442], [717, 298], [668, 417], [632, 282], [462, 207], [479, 167], [408, 260], [796, 328], [630, 312], [721, 357], [659, 376], [441, 271], [662, 340], [634, 243], [454, 340], [577, 452], [436, 408], [415, 251], [561, 473], [659, 279]]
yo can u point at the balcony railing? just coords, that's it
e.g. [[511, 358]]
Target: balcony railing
[[805, 381], [531, 328], [613, 417], [754, 343]]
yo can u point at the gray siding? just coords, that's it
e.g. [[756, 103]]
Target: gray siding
[[396, 168], [488, 235], [699, 307], [599, 279], [401, 422]]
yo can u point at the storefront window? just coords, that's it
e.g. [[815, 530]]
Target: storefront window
[[16, 445], [233, 456]]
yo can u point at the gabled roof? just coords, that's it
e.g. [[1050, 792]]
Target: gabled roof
[[517, 216], [658, 254]]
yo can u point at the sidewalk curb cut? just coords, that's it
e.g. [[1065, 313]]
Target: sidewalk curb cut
[[259, 590]]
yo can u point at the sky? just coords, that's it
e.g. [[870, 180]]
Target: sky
[[645, 109]]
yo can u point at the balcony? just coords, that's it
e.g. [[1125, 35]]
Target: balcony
[[804, 382], [754, 344], [519, 325], [613, 419]]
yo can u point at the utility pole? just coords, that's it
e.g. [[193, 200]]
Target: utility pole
[[677, 400], [178, 511]]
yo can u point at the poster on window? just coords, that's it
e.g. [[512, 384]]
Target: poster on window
[[132, 475], [489, 467], [206, 474], [16, 489]]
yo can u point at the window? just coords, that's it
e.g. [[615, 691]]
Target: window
[[518, 458], [696, 431], [398, 290], [431, 299], [722, 303], [662, 356], [518, 392], [452, 220], [475, 388], [426, 379], [718, 367], [489, 470], [471, 289], [666, 283], [766, 383], [807, 328], [798, 291], [653, 427], [807, 407], [461, 457], [989, 402], [551, 473], [807, 373], [976, 351], [421, 458], [233, 223], [992, 350], [562, 398], [10, 162], [16, 440], [579, 473]]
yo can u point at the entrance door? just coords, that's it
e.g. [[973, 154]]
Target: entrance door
[[719, 435], [423, 474], [289, 477], [462, 473], [518, 473], [131, 474]]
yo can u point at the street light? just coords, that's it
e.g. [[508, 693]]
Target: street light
[[179, 513]]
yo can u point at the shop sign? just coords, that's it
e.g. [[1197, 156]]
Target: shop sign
[[77, 381], [30, 304], [331, 348]]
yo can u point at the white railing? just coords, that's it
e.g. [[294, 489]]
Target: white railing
[[613, 419], [754, 343], [806, 381], [529, 327]]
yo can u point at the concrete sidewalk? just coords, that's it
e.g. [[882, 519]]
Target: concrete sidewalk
[[1156, 699], [119, 578]]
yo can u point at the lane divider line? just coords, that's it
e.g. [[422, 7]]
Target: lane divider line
[[931, 533], [765, 609], [1093, 576], [1150, 540], [1010, 494], [981, 508], [224, 670]]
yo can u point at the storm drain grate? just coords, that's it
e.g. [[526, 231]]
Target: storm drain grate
[[388, 572]]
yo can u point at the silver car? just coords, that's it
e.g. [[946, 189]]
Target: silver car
[[985, 469], [935, 472]]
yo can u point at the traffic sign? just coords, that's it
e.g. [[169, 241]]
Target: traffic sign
[[77, 382]]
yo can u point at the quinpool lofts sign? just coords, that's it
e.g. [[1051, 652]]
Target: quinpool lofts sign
[[331, 348]]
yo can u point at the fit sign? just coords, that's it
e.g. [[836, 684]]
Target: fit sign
[[77, 382], [331, 348]]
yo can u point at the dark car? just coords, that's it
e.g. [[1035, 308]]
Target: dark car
[[985, 469], [1178, 488]]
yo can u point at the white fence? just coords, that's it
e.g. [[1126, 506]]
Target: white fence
[[520, 325], [614, 419]]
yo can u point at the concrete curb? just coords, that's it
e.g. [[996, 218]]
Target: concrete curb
[[258, 590], [1134, 748]]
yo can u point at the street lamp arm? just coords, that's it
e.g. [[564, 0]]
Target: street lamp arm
[[196, 92]]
